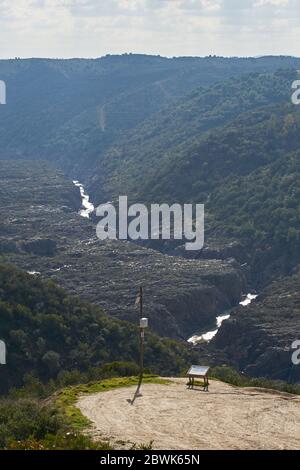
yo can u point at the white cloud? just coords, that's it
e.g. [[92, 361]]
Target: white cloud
[[260, 3], [67, 28]]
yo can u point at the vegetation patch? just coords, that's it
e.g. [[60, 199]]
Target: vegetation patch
[[47, 332], [232, 377]]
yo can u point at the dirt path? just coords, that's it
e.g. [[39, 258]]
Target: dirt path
[[176, 418]]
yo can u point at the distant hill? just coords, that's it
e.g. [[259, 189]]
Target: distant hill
[[71, 111], [172, 155]]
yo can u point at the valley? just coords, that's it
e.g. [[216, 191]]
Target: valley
[[172, 131], [149, 231], [43, 233]]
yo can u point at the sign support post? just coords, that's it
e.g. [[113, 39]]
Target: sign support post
[[142, 326]]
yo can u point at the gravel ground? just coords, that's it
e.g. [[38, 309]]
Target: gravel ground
[[174, 417]]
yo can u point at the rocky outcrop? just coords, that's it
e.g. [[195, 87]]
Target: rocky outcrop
[[258, 339]]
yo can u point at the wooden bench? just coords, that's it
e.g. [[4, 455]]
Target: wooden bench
[[199, 372]]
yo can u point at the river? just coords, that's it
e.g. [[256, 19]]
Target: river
[[209, 335], [87, 206]]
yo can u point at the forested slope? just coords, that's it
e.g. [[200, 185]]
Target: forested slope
[[70, 111], [172, 154], [48, 332]]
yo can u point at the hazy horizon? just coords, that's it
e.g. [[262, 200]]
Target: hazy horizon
[[91, 29], [211, 56]]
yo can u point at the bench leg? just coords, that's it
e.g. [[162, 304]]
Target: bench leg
[[206, 384]]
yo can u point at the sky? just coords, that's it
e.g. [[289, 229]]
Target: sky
[[93, 28]]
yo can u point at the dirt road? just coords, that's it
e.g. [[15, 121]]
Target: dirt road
[[176, 418]]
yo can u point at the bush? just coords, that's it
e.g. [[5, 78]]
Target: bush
[[231, 376], [228, 375], [27, 419], [69, 441]]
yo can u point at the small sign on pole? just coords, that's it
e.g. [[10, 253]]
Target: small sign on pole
[[144, 323], [2, 353], [2, 92]]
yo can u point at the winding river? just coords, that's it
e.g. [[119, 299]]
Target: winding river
[[88, 208]]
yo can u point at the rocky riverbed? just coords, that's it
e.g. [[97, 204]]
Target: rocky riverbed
[[42, 232]]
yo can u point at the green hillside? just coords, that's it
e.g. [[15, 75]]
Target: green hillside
[[71, 111], [48, 333], [156, 160], [247, 173], [262, 209]]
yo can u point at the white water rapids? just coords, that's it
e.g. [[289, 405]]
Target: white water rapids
[[209, 335], [87, 206]]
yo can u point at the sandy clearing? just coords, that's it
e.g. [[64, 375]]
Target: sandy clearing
[[174, 417]]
